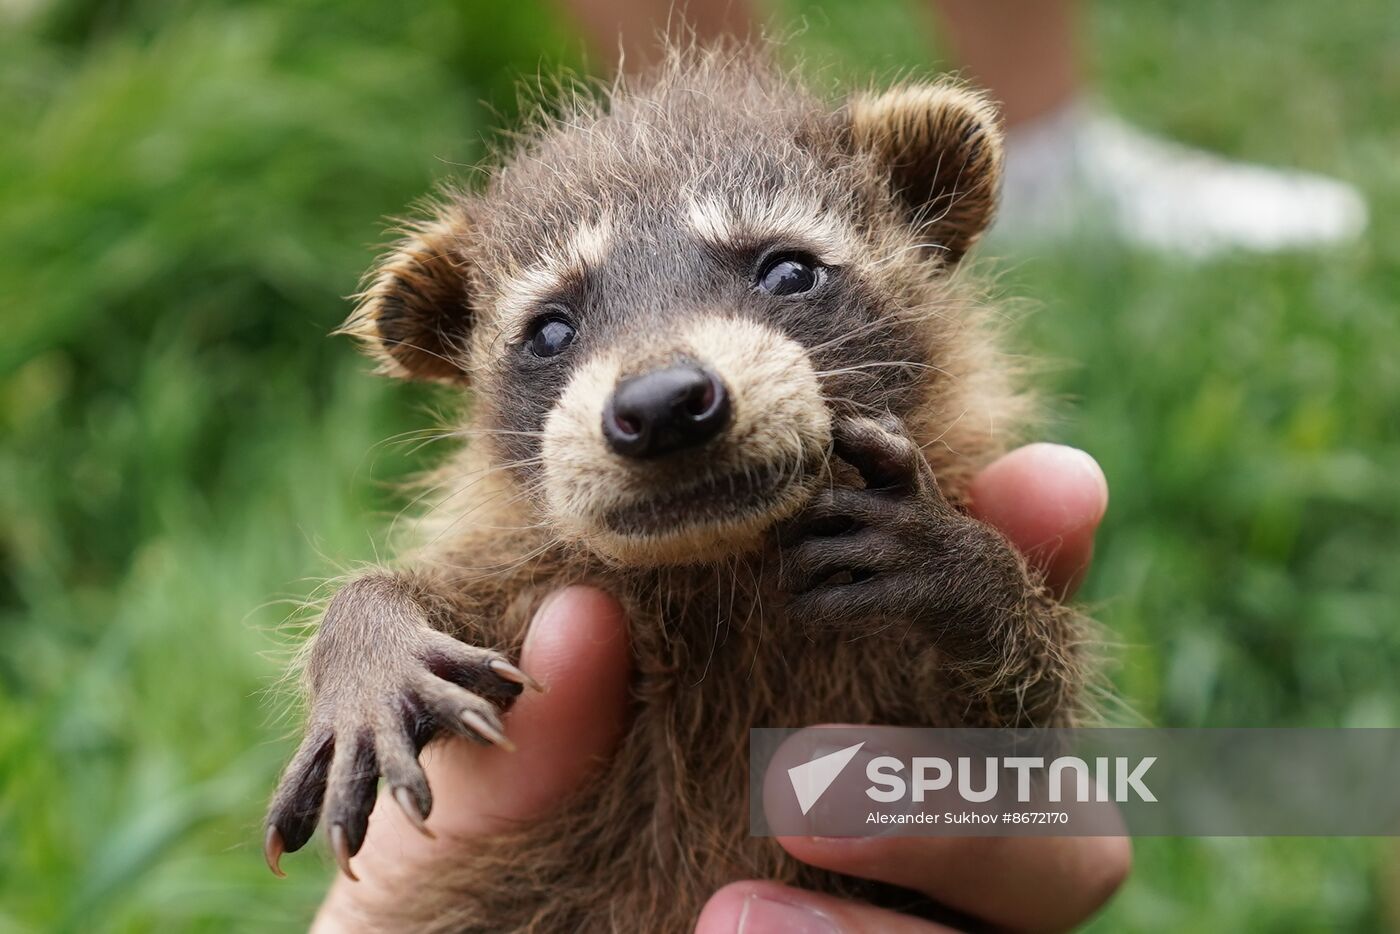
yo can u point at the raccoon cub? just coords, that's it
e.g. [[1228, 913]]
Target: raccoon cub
[[720, 365]]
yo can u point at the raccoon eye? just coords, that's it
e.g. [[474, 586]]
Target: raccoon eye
[[550, 335], [788, 275]]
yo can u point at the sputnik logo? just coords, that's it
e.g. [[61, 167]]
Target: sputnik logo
[[811, 780]]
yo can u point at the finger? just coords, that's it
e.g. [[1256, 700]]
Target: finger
[[403, 776], [577, 648], [817, 559], [839, 503], [354, 775], [461, 711], [296, 807], [886, 459], [1048, 499], [829, 604], [1057, 882], [769, 908], [480, 671]]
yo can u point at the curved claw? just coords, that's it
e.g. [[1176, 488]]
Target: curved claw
[[509, 672], [486, 730], [340, 848], [273, 848], [410, 810]]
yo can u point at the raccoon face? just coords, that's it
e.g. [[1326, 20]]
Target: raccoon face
[[662, 305]]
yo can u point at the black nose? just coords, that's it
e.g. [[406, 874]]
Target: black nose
[[670, 409]]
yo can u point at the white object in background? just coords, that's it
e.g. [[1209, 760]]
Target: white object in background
[[1081, 169]]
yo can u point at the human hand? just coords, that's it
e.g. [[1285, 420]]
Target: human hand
[[1047, 499]]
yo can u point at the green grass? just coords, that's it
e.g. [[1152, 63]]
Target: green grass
[[186, 193]]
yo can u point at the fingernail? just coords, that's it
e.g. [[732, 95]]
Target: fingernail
[[586, 602], [837, 814], [764, 915], [548, 602], [1085, 463], [541, 615]]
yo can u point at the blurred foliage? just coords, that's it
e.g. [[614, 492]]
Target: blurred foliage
[[187, 191]]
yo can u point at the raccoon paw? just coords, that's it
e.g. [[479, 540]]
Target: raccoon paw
[[372, 719], [863, 554]]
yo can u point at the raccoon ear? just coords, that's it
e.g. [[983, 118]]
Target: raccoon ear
[[941, 145], [415, 314]]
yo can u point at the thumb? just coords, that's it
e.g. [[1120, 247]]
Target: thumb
[[577, 648], [1048, 500]]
